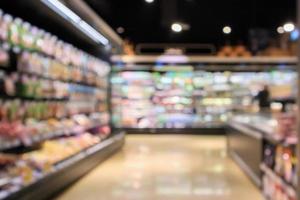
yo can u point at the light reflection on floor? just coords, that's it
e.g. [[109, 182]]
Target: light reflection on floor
[[161, 167]]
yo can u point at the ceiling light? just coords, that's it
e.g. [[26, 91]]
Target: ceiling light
[[62, 10], [149, 1], [89, 30], [280, 30], [176, 27], [72, 17], [227, 30], [289, 27], [120, 30]]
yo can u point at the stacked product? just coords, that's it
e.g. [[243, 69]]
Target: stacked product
[[234, 51], [218, 94], [52, 94], [152, 100], [245, 85], [173, 99], [132, 106], [213, 98], [279, 166]]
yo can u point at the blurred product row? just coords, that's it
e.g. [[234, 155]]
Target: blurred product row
[[194, 99]]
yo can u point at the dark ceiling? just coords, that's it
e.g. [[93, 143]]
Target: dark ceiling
[[150, 23]]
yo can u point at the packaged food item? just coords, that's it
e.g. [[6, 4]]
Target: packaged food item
[[26, 35], [15, 31], [5, 23], [274, 189], [39, 40], [289, 168], [269, 155], [4, 57], [10, 84], [286, 125]]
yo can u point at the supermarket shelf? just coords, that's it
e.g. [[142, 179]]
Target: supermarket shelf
[[16, 50], [23, 98], [208, 130], [209, 67], [258, 132], [245, 144], [131, 99], [203, 59], [70, 170], [287, 186], [57, 79], [270, 137], [4, 146]]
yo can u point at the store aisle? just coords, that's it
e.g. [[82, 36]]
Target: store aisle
[[160, 167]]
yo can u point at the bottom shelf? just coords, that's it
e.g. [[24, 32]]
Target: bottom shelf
[[274, 185], [220, 130], [70, 170]]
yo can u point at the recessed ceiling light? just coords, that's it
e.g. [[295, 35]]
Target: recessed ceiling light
[[227, 30], [280, 30], [120, 30], [289, 27], [149, 1], [176, 27]]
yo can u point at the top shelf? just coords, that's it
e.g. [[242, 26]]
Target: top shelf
[[182, 59]]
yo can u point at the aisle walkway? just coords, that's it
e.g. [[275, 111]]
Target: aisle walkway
[[166, 168]]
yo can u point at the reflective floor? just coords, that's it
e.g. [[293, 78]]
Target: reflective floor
[[167, 167]]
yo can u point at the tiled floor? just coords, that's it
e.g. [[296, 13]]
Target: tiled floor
[[160, 167]]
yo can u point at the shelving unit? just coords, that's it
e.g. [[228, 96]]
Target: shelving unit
[[286, 186], [143, 59], [212, 100], [131, 99], [270, 153], [55, 114], [214, 106]]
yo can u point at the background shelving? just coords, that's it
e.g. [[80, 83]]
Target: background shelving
[[193, 99]]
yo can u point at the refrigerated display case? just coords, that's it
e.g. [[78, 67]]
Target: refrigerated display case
[[272, 141], [194, 99], [131, 100], [173, 99], [213, 98], [54, 113]]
